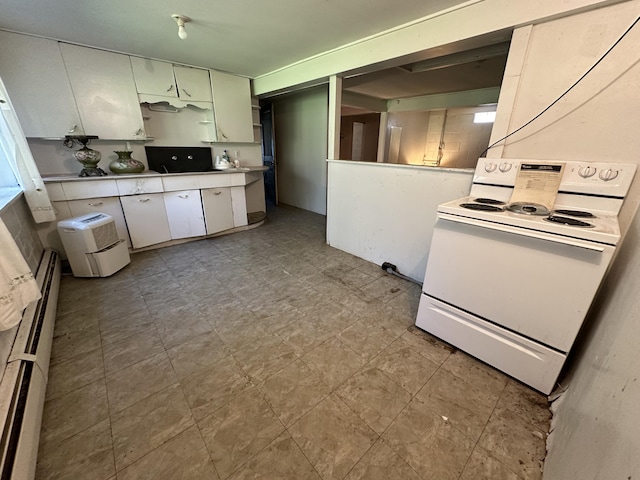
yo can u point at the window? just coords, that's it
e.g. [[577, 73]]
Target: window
[[484, 117], [7, 150]]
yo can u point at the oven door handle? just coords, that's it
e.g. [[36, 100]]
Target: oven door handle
[[521, 231]]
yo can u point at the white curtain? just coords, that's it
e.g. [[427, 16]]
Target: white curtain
[[15, 147], [18, 288]]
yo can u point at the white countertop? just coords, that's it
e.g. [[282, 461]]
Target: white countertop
[[150, 173]]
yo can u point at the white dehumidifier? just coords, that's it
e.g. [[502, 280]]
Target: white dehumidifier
[[92, 245]]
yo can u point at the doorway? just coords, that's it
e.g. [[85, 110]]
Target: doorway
[[268, 153]]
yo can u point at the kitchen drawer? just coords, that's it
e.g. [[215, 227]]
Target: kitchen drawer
[[216, 180], [181, 182], [139, 186], [55, 191], [89, 189]]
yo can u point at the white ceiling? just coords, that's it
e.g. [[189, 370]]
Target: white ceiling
[[246, 37]]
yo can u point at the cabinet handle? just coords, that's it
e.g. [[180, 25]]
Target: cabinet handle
[[138, 132], [170, 88], [183, 196], [217, 193], [74, 128], [187, 93], [95, 204], [143, 200]]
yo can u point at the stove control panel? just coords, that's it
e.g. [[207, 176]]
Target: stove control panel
[[595, 178]]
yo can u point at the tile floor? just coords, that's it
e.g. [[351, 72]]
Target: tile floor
[[267, 354]]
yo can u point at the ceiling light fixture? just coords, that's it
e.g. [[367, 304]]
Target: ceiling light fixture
[[181, 20]]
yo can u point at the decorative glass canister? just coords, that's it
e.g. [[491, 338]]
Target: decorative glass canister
[[125, 164]]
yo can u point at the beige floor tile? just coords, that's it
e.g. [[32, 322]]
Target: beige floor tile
[[475, 372], [281, 460], [197, 353], [237, 431], [515, 443], [75, 373], [483, 466], [120, 306], [305, 334], [532, 406], [138, 381], [87, 456], [117, 329], [366, 338], [293, 391], [267, 356], [184, 457], [132, 350], [382, 463], [180, 325], [74, 343], [467, 407], [140, 428], [76, 320], [74, 412], [405, 366], [332, 438], [385, 288], [427, 345], [213, 387], [428, 443], [374, 397], [333, 361]]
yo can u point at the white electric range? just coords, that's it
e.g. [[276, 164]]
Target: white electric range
[[511, 284]]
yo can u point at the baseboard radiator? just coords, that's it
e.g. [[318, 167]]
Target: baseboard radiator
[[22, 390]]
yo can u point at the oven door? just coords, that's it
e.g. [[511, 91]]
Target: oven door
[[536, 284]]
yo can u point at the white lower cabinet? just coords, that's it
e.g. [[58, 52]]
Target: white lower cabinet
[[184, 213], [218, 213], [109, 205], [146, 219]]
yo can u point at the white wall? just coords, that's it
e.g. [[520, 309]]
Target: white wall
[[597, 433], [599, 119], [385, 213], [300, 124]]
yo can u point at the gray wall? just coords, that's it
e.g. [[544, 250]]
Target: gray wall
[[19, 221], [301, 148], [597, 434]]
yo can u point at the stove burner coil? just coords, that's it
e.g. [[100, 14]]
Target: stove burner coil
[[526, 208], [574, 222], [482, 206], [575, 213], [490, 201]]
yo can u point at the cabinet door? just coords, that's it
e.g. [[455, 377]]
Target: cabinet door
[[193, 84], [232, 107], [154, 77], [146, 219], [34, 74], [105, 92], [184, 212], [218, 213], [109, 205]]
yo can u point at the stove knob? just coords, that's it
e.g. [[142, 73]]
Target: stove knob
[[505, 167], [586, 172], [490, 167], [174, 157], [608, 174]]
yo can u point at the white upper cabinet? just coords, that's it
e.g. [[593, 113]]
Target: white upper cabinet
[[232, 107], [193, 83], [158, 81], [105, 92], [33, 71], [153, 77]]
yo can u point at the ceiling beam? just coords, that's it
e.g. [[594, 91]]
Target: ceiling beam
[[469, 98], [460, 58], [359, 100]]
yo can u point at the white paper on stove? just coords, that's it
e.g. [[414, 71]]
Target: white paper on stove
[[538, 183]]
